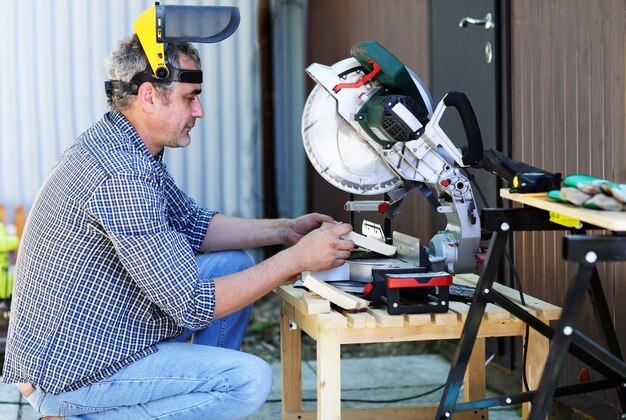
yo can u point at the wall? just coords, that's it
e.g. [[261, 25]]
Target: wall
[[52, 90], [569, 103]]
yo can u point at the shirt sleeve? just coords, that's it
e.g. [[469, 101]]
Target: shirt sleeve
[[185, 215], [132, 212]]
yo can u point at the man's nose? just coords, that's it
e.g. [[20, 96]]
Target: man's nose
[[197, 110]]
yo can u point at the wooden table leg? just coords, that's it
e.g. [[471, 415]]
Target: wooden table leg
[[475, 382], [291, 364], [538, 348], [328, 375]]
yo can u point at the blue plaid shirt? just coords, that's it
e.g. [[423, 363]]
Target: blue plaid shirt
[[106, 266]]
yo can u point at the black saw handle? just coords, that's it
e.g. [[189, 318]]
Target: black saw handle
[[474, 151]]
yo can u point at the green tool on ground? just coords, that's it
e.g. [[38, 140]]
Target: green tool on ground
[[8, 243]]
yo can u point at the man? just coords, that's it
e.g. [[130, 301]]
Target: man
[[108, 282]]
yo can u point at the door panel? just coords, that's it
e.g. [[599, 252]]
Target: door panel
[[467, 58], [459, 63]]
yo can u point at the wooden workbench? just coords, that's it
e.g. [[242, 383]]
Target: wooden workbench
[[305, 311]]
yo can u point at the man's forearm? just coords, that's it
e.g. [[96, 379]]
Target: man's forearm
[[320, 250], [234, 291], [227, 232]]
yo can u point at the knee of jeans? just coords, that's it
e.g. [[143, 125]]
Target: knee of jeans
[[258, 385], [222, 263], [243, 260]]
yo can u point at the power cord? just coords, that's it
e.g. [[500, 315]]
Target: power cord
[[375, 401], [516, 276]]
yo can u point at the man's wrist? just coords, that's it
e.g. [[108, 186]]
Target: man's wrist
[[286, 226]]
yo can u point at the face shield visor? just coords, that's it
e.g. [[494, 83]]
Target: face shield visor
[[160, 24]]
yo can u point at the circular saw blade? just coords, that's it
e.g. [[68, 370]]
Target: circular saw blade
[[338, 153]]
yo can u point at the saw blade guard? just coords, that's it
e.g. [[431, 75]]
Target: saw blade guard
[[336, 135]]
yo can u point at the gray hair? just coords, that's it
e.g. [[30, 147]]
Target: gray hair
[[129, 59]]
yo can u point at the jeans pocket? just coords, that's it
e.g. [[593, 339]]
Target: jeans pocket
[[71, 409]]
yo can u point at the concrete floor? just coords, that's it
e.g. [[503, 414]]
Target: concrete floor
[[371, 379]]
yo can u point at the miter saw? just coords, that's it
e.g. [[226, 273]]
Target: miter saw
[[369, 127]]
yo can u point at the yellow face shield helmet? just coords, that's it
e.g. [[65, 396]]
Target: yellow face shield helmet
[[160, 24]]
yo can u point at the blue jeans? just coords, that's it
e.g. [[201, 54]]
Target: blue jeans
[[209, 379]]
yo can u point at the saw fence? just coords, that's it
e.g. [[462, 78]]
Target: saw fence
[[331, 328]]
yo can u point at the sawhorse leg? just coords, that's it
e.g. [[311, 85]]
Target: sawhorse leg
[[561, 341], [472, 324], [586, 251]]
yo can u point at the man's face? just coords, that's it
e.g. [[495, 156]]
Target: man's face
[[178, 109]]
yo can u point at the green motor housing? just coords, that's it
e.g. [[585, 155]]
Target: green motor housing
[[375, 116]]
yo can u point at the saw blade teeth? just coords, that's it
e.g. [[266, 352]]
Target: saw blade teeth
[[308, 127]]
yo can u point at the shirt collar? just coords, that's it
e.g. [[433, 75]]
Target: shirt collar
[[119, 120]]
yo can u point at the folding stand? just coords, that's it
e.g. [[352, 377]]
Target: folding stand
[[584, 250]]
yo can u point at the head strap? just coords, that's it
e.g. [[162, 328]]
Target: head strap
[[120, 88]]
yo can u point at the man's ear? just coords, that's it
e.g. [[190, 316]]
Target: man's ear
[[146, 95]]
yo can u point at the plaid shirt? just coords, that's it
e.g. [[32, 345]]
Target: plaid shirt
[[106, 266]]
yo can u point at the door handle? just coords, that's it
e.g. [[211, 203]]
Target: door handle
[[487, 22]]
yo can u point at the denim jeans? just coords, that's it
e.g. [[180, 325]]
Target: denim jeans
[[208, 379]]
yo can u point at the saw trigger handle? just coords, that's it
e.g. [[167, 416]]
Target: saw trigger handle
[[474, 151]]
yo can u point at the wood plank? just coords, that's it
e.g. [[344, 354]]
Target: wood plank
[[496, 313], [611, 220], [368, 243], [337, 296], [360, 319], [331, 320], [417, 319], [543, 310], [315, 304], [294, 296], [383, 319], [446, 318], [461, 309]]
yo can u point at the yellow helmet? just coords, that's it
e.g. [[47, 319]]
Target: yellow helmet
[[160, 24]]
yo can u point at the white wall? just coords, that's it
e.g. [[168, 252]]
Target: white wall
[[51, 90]]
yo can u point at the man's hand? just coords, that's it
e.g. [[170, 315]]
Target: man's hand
[[322, 248], [305, 224]]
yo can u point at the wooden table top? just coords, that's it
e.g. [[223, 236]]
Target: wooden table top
[[611, 220]]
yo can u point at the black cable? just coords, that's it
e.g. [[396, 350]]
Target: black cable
[[397, 399], [373, 401], [518, 281]]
